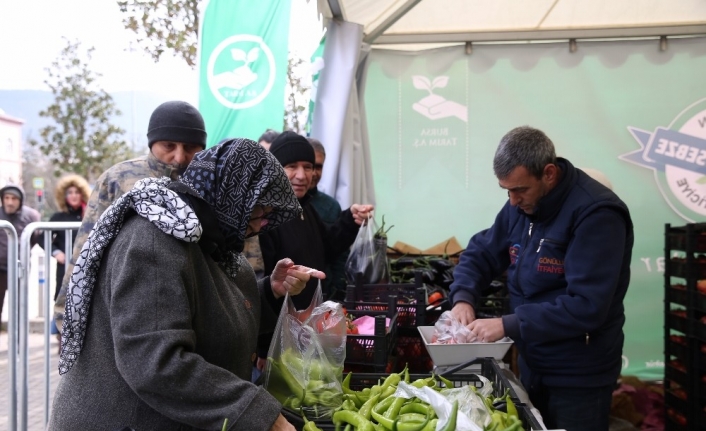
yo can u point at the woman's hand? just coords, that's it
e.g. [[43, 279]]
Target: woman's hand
[[361, 212], [282, 424], [290, 278]]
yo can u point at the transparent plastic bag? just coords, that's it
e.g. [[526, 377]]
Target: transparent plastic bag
[[448, 330], [368, 256], [305, 359]]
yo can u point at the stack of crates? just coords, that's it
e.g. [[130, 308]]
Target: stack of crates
[[685, 327], [412, 308]]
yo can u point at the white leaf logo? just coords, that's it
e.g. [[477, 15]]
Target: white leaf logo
[[238, 54], [252, 55], [421, 82], [440, 82]]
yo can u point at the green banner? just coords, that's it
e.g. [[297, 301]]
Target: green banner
[[317, 64], [626, 109], [243, 67]]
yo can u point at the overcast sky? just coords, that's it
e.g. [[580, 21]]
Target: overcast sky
[[31, 38]]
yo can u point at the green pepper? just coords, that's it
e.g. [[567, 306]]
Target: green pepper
[[511, 409], [395, 425], [412, 417], [387, 392], [394, 410], [515, 426], [448, 383], [346, 384], [383, 404], [420, 383], [349, 405], [451, 424], [391, 380], [497, 417], [309, 425], [367, 408], [353, 418], [418, 407]]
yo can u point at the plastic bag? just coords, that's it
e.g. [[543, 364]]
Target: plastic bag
[[305, 360], [448, 330], [368, 256], [472, 413]]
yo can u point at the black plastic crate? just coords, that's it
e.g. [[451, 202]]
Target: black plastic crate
[[372, 351], [410, 352], [489, 369], [411, 302]]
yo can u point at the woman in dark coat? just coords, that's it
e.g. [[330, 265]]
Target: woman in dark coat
[[163, 310], [71, 194]]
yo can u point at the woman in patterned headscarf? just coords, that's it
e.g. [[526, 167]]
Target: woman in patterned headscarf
[[163, 311]]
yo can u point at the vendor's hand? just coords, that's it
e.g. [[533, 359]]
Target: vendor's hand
[[260, 364], [361, 212], [290, 278], [282, 424], [60, 258], [487, 330], [464, 313]]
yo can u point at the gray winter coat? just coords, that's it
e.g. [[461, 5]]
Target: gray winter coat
[[169, 342]]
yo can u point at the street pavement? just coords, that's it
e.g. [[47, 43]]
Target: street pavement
[[35, 372]]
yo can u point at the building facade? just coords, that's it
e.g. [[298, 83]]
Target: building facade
[[10, 149]]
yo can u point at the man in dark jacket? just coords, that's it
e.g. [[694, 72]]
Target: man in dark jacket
[[20, 216], [306, 240], [328, 210], [566, 243]]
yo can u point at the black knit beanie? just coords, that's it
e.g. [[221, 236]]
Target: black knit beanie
[[290, 147], [176, 121]]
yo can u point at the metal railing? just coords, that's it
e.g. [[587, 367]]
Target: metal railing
[[23, 327], [12, 265]]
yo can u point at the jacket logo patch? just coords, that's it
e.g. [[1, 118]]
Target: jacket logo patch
[[514, 253], [550, 265]]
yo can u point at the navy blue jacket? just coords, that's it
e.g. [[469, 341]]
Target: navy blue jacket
[[568, 269]]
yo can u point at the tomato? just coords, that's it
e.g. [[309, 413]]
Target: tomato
[[435, 297]]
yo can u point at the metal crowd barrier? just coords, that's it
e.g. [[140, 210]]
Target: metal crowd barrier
[[48, 302], [12, 264]]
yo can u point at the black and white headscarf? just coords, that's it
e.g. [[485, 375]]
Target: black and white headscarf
[[235, 176], [231, 177]]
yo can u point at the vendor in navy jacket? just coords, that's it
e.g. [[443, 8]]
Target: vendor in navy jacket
[[566, 242]]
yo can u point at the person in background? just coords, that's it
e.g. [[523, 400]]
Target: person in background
[[19, 215], [306, 240], [566, 243], [71, 195], [328, 210], [267, 138], [175, 133], [163, 309]]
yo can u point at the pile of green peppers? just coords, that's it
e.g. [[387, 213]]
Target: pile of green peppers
[[376, 409]]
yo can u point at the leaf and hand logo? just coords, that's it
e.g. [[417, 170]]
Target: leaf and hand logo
[[677, 155], [241, 71], [434, 106]]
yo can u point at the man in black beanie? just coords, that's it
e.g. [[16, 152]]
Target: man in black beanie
[[306, 240], [176, 132]]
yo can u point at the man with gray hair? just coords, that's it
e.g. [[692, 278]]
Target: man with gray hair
[[566, 242]]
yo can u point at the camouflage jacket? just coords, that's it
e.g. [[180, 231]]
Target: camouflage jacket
[[113, 183]]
